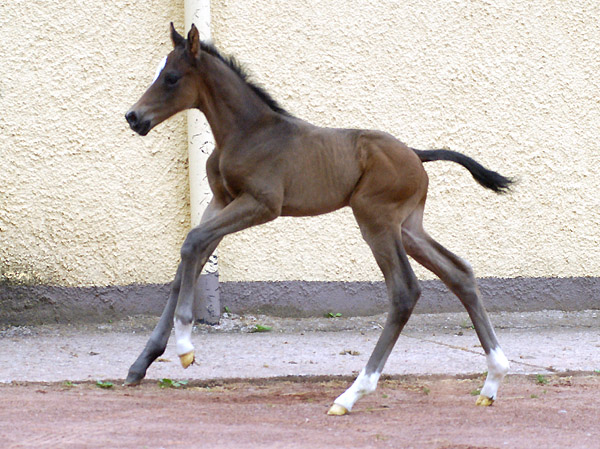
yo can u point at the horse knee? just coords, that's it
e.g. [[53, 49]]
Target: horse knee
[[414, 289], [411, 241], [194, 244], [411, 290], [189, 249], [404, 300], [463, 282]]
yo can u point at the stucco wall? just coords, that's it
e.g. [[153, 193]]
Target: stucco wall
[[512, 84], [84, 201]]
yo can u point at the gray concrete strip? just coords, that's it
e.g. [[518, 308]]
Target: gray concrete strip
[[540, 342], [26, 304]]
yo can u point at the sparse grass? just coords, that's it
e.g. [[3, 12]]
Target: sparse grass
[[417, 388], [261, 328], [105, 385], [540, 379], [170, 383], [466, 324]]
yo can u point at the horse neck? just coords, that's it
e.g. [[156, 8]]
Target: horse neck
[[229, 104]]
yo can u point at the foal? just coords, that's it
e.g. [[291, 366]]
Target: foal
[[267, 164]]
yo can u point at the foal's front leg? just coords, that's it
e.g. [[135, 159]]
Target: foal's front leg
[[157, 342], [243, 212]]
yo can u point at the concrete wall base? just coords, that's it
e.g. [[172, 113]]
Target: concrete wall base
[[39, 304], [298, 298]]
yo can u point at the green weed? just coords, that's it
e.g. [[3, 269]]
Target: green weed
[[170, 383]]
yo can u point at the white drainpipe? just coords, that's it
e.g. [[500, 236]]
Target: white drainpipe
[[200, 145]]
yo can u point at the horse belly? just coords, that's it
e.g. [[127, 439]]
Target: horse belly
[[314, 190]]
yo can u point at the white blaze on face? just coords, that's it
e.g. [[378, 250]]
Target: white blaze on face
[[159, 68]]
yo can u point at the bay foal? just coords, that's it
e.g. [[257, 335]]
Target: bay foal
[[267, 164]]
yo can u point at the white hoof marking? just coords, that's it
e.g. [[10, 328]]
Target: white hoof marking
[[497, 368], [364, 384], [183, 336]]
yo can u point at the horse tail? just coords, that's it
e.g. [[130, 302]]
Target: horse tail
[[487, 178]]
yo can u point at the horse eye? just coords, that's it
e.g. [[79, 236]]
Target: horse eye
[[171, 79]]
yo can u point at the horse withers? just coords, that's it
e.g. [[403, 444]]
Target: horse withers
[[268, 163]]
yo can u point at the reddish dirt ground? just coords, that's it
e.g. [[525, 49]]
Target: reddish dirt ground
[[406, 412]]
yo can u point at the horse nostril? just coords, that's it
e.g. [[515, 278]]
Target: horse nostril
[[131, 118]]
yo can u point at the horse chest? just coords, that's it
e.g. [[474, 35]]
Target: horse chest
[[232, 189], [234, 178]]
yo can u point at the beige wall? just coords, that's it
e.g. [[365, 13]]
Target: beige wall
[[514, 86], [85, 202]]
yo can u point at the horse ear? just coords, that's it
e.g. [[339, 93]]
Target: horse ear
[[193, 42], [177, 38]]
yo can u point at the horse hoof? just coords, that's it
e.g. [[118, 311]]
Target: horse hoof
[[134, 378], [484, 401], [187, 359], [337, 410]]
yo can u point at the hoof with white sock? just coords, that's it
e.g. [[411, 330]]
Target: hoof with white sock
[[185, 348], [337, 410], [187, 359], [364, 384], [497, 368]]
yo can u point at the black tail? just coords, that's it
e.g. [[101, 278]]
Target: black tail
[[487, 178]]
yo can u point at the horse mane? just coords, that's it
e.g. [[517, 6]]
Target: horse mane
[[237, 68]]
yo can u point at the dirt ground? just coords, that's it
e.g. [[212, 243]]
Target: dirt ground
[[405, 412]]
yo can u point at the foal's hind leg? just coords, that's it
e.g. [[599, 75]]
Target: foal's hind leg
[[458, 276], [403, 291]]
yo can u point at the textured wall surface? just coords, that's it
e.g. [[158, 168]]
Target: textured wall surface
[[513, 85], [83, 200], [86, 203]]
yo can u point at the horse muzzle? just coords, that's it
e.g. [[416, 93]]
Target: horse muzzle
[[137, 123]]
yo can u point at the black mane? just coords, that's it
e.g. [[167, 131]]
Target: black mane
[[234, 65]]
